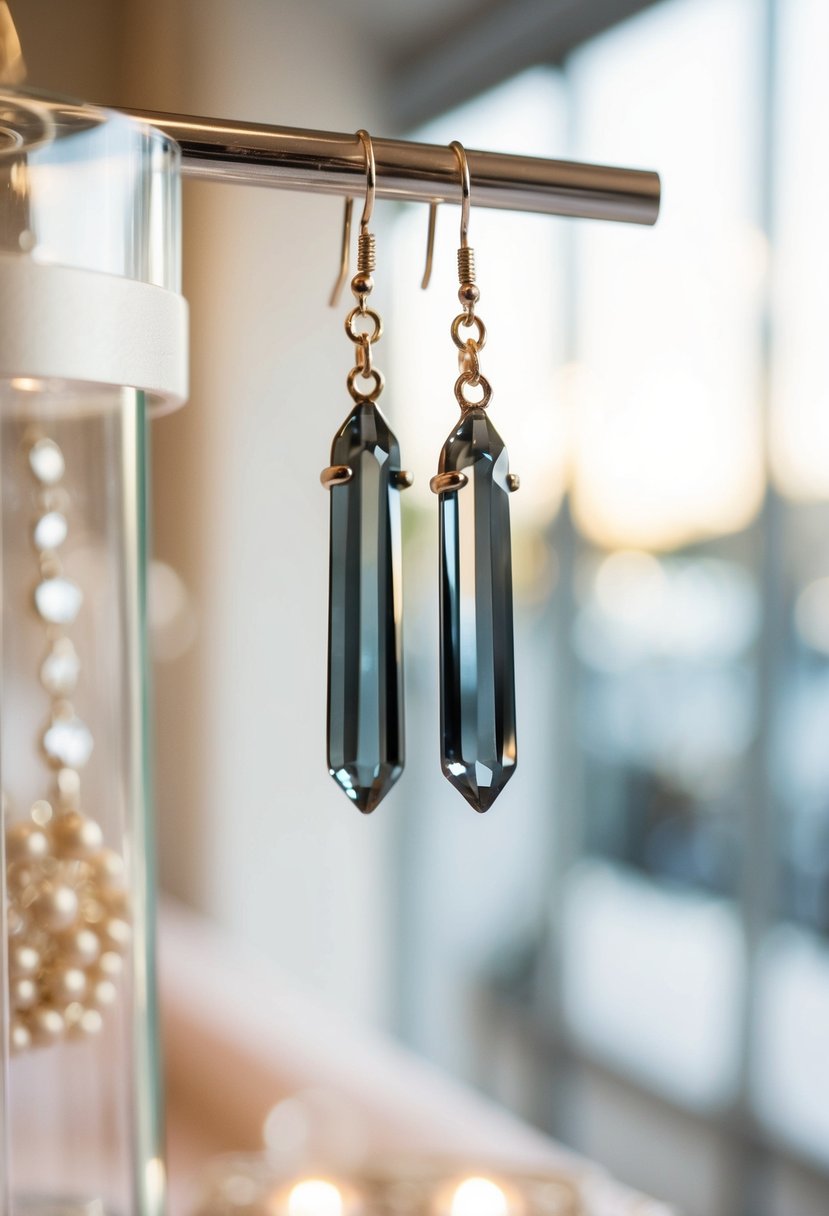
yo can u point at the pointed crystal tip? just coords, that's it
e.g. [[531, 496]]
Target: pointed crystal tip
[[366, 789], [479, 783]]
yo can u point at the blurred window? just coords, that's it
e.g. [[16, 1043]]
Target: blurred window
[[664, 395]]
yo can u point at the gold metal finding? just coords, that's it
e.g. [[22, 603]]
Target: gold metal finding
[[467, 322], [365, 242], [430, 245], [469, 364], [513, 482], [448, 483], [336, 475], [402, 479], [468, 294], [466, 264], [366, 253], [337, 289], [365, 362], [356, 335], [361, 286], [356, 393], [464, 379], [466, 189], [371, 178]]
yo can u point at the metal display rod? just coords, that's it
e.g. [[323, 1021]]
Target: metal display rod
[[327, 162]]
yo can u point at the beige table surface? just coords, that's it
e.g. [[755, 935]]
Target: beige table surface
[[240, 1037]]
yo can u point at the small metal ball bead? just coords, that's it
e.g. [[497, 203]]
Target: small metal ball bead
[[362, 284], [469, 293], [55, 908], [23, 960], [20, 1038], [80, 948], [25, 842], [23, 993], [46, 1025], [76, 836], [115, 934], [67, 984]]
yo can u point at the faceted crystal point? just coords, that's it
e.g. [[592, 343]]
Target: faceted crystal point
[[477, 686], [365, 656]]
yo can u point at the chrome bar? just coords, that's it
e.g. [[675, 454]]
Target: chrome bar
[[330, 163]]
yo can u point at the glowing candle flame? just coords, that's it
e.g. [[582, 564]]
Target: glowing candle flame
[[314, 1197], [479, 1197]]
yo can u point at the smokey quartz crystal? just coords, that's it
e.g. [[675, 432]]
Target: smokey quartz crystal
[[365, 659], [478, 746]]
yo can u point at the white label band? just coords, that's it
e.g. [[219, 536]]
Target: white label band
[[57, 322]]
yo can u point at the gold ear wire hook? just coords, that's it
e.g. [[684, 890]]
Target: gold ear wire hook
[[466, 190], [336, 292], [468, 293], [368, 208], [371, 178], [430, 246]]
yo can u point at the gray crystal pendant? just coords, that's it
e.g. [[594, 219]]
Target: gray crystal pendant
[[365, 659], [477, 687]]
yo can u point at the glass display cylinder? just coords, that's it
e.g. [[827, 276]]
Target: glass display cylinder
[[92, 341]]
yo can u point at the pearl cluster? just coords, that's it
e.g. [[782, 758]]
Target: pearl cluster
[[67, 922], [66, 901]]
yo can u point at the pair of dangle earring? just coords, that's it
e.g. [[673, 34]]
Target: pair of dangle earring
[[365, 607], [473, 483]]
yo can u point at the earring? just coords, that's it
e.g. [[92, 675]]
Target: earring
[[365, 648], [473, 484]]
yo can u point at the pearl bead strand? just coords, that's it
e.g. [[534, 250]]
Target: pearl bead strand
[[66, 900]]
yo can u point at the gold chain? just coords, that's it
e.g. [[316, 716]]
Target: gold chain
[[468, 348], [363, 339]]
